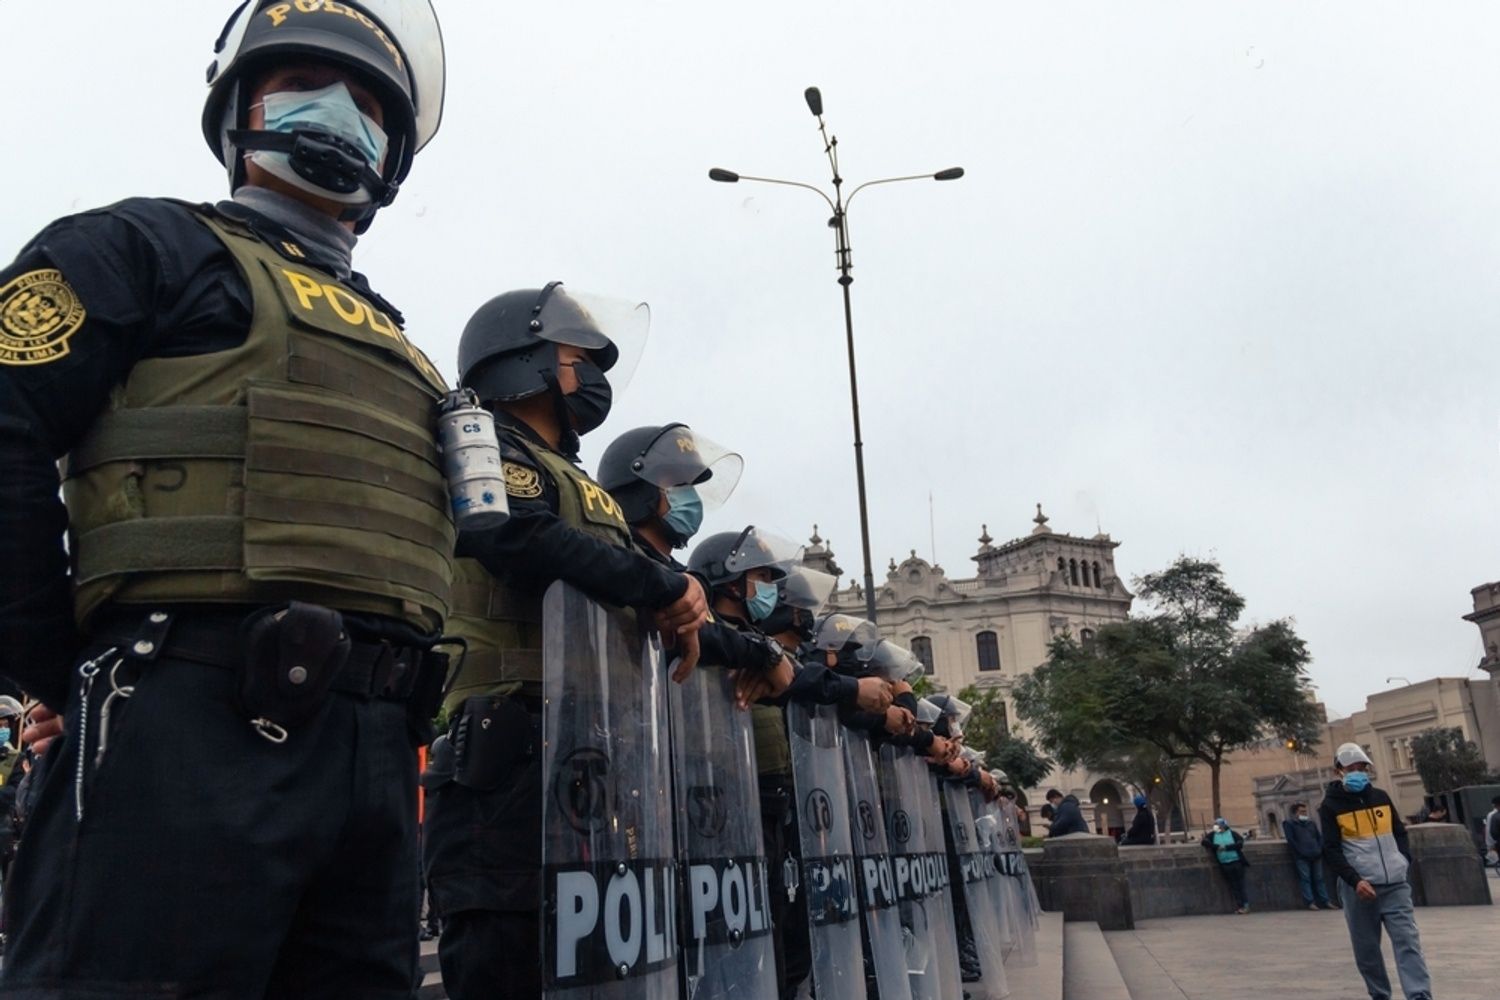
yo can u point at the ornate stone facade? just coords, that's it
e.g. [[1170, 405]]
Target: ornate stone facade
[[992, 628]]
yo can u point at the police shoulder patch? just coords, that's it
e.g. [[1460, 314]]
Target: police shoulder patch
[[521, 481], [39, 311]]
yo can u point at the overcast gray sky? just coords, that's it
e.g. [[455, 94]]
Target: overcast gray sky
[[1221, 278]]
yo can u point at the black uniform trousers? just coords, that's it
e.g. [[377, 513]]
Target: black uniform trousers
[[211, 862], [789, 927], [482, 855]]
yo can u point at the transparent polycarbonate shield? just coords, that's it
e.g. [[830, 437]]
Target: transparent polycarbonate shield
[[896, 663], [903, 782], [806, 588], [727, 949], [986, 834], [609, 923], [680, 457], [594, 322], [885, 947], [834, 632], [830, 884], [969, 881], [1024, 912], [944, 926], [756, 548]]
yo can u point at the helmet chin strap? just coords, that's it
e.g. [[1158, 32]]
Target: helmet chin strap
[[567, 441], [325, 161]]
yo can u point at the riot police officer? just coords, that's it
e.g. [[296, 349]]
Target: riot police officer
[[259, 553], [537, 359]]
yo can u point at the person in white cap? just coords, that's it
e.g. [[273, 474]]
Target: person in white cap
[[1364, 843]]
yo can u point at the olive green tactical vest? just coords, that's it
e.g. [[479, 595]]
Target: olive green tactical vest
[[773, 754], [301, 464], [503, 624]]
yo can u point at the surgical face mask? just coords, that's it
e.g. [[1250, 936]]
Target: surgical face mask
[[761, 603], [1303, 817], [684, 514], [4, 734], [590, 403], [332, 110], [1356, 781]]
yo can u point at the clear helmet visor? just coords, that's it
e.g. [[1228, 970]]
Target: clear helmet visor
[[613, 330], [955, 708], [681, 457], [975, 757], [835, 632], [999, 776], [757, 549], [895, 663], [927, 712], [807, 588]]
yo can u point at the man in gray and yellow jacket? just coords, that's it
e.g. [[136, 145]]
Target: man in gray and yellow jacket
[[1364, 843]]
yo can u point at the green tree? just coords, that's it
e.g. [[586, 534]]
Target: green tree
[[988, 730], [1183, 679], [1445, 760]]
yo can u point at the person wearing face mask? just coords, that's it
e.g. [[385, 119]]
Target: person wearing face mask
[[1228, 849], [1365, 845], [1306, 841], [11, 774], [545, 362], [258, 558]]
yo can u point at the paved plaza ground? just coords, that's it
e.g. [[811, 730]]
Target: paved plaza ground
[[1301, 955]]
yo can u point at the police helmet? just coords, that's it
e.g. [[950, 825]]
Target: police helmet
[[508, 350], [800, 596], [10, 707], [640, 463], [895, 663], [395, 47], [952, 706], [835, 633], [927, 712], [727, 556]]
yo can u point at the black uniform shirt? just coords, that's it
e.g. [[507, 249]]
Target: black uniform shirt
[[534, 546], [152, 282], [719, 643]]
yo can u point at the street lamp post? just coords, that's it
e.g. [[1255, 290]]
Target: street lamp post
[[839, 223]]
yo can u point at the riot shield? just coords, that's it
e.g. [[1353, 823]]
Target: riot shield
[[1022, 913], [931, 958], [986, 834], [727, 951], [609, 922], [970, 880], [829, 883], [884, 944], [944, 926]]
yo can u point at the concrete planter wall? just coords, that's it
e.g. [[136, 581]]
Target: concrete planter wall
[[1087, 877]]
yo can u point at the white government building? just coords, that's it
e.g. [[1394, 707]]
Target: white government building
[[992, 628]]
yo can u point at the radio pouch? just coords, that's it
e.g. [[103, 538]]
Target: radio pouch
[[491, 736]]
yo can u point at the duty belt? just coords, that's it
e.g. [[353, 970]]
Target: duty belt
[[379, 669]]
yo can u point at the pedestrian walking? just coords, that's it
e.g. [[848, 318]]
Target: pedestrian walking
[[1364, 842], [1306, 841], [1228, 849]]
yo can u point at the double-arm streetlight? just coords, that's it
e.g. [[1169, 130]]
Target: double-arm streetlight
[[840, 226]]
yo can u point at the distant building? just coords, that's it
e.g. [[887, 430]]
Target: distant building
[[994, 627]]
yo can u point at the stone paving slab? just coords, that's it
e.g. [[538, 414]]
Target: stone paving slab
[[1299, 954]]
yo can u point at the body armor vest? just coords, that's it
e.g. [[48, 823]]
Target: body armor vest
[[773, 754], [502, 623], [300, 465]]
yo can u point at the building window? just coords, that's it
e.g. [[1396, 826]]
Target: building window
[[921, 648], [1087, 635], [1097, 582], [988, 647], [1073, 570]]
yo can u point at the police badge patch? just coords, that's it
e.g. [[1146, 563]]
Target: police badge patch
[[38, 313], [521, 481]]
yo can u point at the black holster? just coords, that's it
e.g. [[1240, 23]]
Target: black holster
[[491, 735]]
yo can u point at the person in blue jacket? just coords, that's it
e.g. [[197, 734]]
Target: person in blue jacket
[[1306, 842]]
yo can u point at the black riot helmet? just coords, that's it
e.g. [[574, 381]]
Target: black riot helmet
[[800, 597], [696, 473], [394, 47], [726, 557]]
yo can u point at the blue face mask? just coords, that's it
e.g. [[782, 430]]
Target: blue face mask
[[762, 602], [1356, 781], [4, 734], [331, 109], [684, 514]]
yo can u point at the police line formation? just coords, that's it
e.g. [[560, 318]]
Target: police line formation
[[289, 544]]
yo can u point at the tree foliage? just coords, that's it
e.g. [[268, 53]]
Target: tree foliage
[[988, 730], [1183, 680], [1445, 760]]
